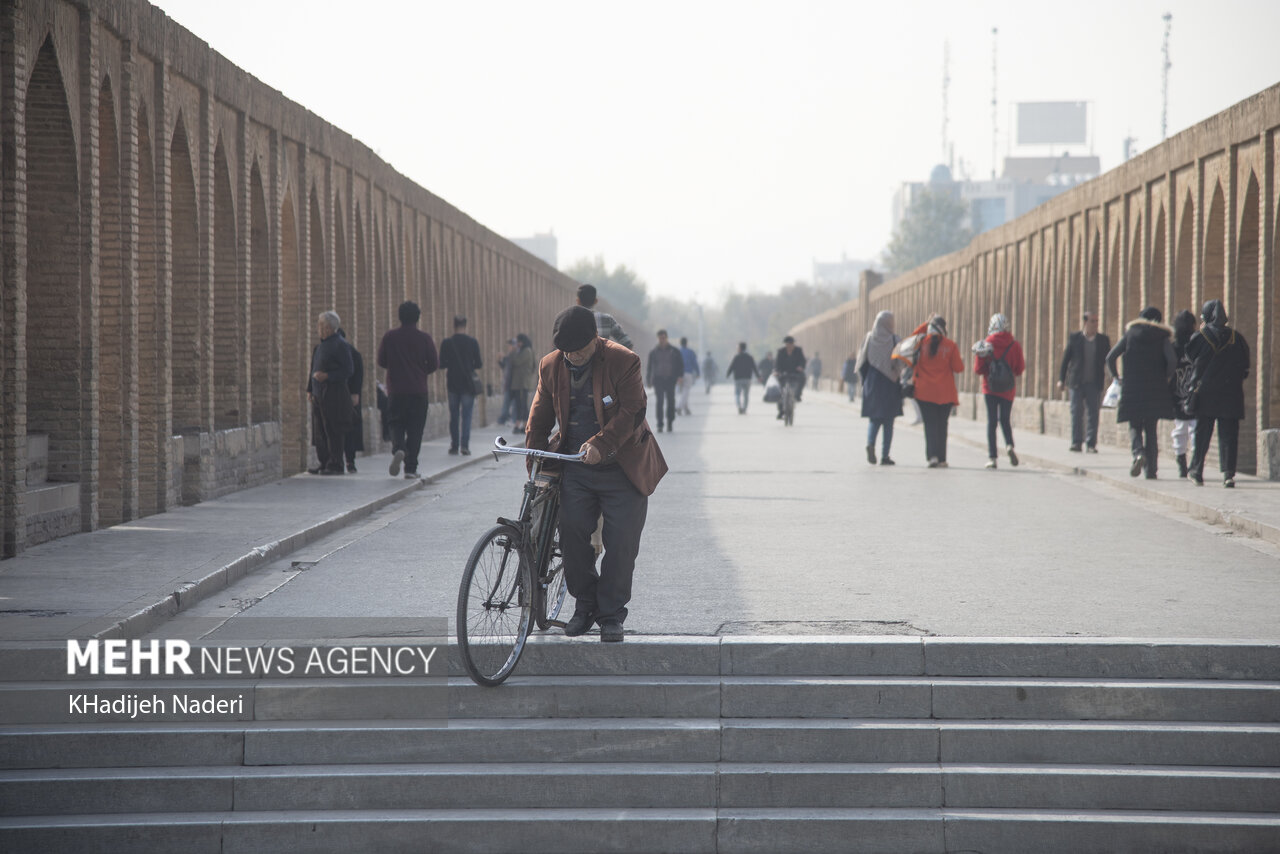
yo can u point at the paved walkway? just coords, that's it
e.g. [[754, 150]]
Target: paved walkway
[[126, 580]]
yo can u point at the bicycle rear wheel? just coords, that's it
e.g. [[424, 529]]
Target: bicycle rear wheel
[[495, 606]]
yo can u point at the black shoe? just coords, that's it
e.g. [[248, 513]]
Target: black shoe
[[1182, 465], [871, 454], [1197, 477], [1229, 482], [1138, 464], [1151, 475], [331, 471], [1013, 458], [453, 452], [351, 468], [579, 624], [316, 470], [1092, 449], [1075, 449], [779, 416], [885, 461], [466, 452], [670, 427], [396, 459], [610, 632]]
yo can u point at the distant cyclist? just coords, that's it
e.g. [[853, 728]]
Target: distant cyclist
[[788, 366]]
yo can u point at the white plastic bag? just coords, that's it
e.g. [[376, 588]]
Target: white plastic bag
[[1111, 399], [772, 390]]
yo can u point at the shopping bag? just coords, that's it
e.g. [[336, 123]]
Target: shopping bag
[[772, 390], [1111, 399]]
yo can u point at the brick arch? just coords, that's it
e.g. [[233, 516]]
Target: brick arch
[[1184, 259], [293, 329], [228, 332], [263, 306], [1112, 284], [1244, 316], [152, 333], [115, 428], [1093, 276], [1131, 290], [54, 336], [1156, 284], [1269, 355], [188, 305], [344, 297], [362, 291], [1214, 261], [318, 289]]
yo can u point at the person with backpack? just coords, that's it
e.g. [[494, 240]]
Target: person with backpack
[[1220, 356], [998, 360], [938, 360], [1184, 422], [1145, 398]]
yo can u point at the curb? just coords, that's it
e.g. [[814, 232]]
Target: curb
[[152, 616]]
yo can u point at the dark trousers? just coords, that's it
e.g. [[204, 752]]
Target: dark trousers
[[935, 416], [520, 411], [875, 425], [998, 409], [1086, 398], [407, 416], [1144, 441], [330, 412], [460, 407], [585, 493], [665, 389], [1228, 444]]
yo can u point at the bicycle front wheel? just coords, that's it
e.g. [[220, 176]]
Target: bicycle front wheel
[[495, 606]]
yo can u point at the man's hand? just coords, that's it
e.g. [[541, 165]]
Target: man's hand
[[1061, 385], [355, 400], [591, 454], [320, 376]]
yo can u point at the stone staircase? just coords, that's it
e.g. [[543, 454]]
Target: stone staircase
[[733, 744]]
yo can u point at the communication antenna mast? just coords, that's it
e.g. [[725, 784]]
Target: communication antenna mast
[[946, 88], [994, 32], [1164, 79]]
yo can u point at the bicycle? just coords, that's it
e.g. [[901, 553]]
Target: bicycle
[[788, 401], [514, 577]]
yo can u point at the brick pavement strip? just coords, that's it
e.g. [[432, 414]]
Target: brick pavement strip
[[126, 580]]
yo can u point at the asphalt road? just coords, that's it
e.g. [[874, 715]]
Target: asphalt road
[[765, 529]]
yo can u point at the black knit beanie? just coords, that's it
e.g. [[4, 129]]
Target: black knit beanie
[[574, 329]]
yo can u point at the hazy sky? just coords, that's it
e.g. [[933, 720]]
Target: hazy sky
[[713, 143]]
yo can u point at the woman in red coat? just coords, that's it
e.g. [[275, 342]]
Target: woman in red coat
[[935, 384], [998, 360]]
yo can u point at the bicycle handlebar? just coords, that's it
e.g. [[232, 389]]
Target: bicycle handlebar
[[500, 446]]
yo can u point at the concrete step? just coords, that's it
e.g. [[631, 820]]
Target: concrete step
[[541, 831], [639, 785]]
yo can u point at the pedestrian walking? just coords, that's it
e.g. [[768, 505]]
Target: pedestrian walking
[[606, 324], [1220, 356], [742, 369], [849, 374], [1083, 374], [998, 359], [508, 399], [709, 371], [353, 440], [408, 355], [327, 391], [815, 369], [935, 386], [623, 464], [663, 373], [1145, 397], [460, 357], [881, 377], [1184, 422], [690, 376], [524, 379]]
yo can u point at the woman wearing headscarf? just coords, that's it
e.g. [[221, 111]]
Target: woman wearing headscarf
[[1145, 398], [999, 346], [881, 391], [938, 363], [1184, 422], [1220, 357]]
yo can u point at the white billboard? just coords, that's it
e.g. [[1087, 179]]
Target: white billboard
[[1052, 122]]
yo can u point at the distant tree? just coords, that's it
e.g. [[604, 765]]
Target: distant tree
[[622, 288], [932, 226]]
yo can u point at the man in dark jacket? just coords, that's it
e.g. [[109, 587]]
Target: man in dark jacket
[[330, 400], [591, 387], [1220, 359], [664, 371], [1145, 397], [742, 369], [460, 357], [409, 356], [1083, 373], [789, 365]]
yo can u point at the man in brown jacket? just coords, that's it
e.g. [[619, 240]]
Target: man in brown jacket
[[594, 390]]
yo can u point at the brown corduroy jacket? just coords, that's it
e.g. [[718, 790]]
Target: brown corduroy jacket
[[624, 437]]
